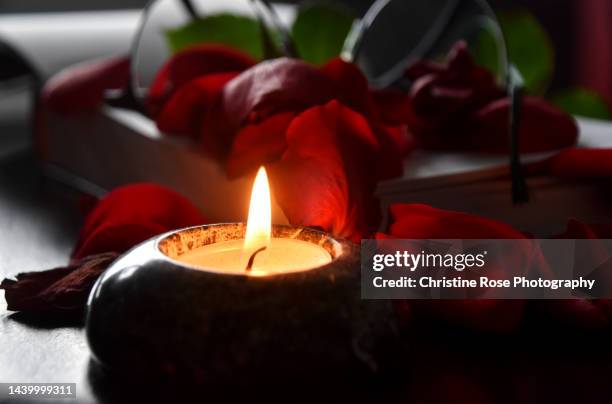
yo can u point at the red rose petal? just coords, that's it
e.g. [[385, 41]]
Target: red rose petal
[[185, 110], [82, 87], [459, 106], [191, 63], [62, 290], [273, 86], [326, 176], [258, 144], [395, 142], [580, 163], [391, 107], [414, 221], [447, 92], [351, 85], [131, 214], [422, 68], [543, 127]]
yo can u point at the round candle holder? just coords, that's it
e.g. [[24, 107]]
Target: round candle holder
[[150, 314]]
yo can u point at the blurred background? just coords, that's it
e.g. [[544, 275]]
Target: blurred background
[[580, 32], [564, 47]]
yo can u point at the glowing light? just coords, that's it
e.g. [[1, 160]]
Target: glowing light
[[259, 223]]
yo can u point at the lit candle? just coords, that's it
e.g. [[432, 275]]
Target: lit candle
[[258, 254], [234, 306]]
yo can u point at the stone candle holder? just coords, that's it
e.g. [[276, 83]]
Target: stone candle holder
[[150, 314]]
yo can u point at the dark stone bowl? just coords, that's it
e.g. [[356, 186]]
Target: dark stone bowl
[[153, 316]]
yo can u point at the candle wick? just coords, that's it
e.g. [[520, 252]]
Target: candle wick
[[249, 266]]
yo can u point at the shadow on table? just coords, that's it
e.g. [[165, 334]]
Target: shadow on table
[[42, 321]]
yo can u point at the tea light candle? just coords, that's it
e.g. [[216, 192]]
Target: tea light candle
[[258, 254], [234, 306]]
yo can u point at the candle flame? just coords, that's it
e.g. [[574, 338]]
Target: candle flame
[[259, 223]]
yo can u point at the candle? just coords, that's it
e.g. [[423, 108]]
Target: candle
[[258, 254], [234, 306]]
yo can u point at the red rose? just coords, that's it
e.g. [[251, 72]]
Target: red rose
[[458, 105]]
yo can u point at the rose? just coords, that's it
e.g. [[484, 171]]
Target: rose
[[458, 105]]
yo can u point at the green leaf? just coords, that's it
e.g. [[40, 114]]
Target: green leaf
[[529, 47], [320, 30], [237, 31], [486, 52], [582, 102]]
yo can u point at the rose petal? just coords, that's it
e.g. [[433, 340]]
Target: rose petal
[[191, 63], [351, 85], [543, 127], [131, 214], [327, 175], [415, 221], [273, 86], [258, 144], [391, 107], [459, 106], [458, 86], [579, 163], [395, 142], [62, 290], [82, 87], [186, 108], [441, 104]]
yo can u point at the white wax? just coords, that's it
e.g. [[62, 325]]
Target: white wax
[[283, 255]]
